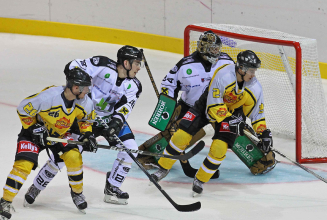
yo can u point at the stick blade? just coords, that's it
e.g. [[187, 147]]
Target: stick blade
[[196, 149], [188, 208]]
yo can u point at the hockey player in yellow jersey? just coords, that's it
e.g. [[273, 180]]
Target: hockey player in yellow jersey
[[234, 93], [52, 113]]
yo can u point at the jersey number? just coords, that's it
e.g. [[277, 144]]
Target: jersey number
[[29, 109], [216, 93]]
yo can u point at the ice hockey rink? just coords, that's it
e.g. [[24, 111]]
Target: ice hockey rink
[[31, 63]]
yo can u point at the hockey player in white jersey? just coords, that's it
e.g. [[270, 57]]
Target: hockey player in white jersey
[[114, 94], [233, 94], [191, 75], [51, 113]]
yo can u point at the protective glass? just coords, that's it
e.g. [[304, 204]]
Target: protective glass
[[138, 63]]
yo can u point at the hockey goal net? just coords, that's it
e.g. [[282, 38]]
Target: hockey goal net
[[295, 105]]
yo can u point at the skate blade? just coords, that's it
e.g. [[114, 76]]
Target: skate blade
[[114, 200], [195, 194], [26, 204], [82, 211]]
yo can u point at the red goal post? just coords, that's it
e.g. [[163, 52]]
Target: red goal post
[[295, 105]]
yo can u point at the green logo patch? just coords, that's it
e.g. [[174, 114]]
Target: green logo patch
[[107, 76], [189, 71], [129, 86]]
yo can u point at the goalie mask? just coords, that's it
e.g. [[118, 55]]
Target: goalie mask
[[209, 45]]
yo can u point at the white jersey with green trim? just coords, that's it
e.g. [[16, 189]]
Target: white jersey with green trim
[[111, 95], [191, 75]]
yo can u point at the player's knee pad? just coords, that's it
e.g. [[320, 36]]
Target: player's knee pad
[[180, 140], [218, 150], [72, 158]]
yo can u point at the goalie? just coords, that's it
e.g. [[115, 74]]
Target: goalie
[[233, 93], [191, 75]]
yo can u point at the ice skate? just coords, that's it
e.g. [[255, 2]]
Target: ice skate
[[113, 194], [197, 187], [79, 201], [159, 175], [5, 208], [31, 195]]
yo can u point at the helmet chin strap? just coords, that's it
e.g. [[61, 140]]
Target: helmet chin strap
[[242, 76], [127, 69]]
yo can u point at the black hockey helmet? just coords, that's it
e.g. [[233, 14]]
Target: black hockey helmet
[[78, 77], [247, 59], [209, 45], [128, 53]]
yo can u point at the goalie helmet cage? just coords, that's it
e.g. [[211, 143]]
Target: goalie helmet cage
[[295, 105]]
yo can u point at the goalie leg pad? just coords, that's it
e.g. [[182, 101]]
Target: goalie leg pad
[[265, 164]]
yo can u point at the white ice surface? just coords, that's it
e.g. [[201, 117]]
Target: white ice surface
[[30, 63]]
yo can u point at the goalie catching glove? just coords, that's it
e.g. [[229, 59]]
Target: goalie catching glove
[[265, 164], [115, 125], [39, 134], [90, 143]]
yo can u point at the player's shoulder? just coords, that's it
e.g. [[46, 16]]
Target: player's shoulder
[[86, 103], [225, 57], [102, 61], [134, 85], [188, 60], [49, 91]]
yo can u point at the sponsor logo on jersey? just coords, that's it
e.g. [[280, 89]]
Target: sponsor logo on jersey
[[129, 86], [107, 76], [230, 97], [27, 146], [96, 60], [85, 125], [28, 120], [189, 116], [164, 90], [124, 110], [261, 128], [261, 108], [189, 71], [63, 123], [205, 79], [185, 77], [224, 127], [221, 112]]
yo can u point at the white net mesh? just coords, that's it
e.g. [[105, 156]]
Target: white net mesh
[[279, 84]]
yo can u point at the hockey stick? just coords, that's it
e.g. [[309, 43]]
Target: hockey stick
[[150, 74], [182, 208], [196, 149], [256, 140]]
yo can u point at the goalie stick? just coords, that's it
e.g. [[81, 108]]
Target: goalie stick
[[256, 140], [196, 149]]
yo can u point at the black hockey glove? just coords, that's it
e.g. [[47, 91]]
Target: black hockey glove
[[266, 141], [90, 143], [236, 124], [39, 134], [114, 128]]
